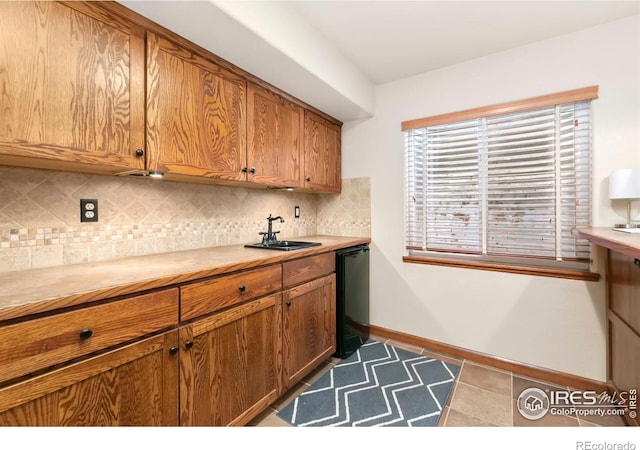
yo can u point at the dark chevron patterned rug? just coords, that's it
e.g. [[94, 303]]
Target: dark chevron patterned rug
[[379, 385]]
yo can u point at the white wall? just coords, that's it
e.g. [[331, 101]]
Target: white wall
[[552, 323], [281, 26]]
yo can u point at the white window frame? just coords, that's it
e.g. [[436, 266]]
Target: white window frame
[[559, 262]]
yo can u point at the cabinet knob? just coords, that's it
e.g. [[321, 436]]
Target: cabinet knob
[[252, 170], [173, 350], [244, 170], [636, 262], [242, 288], [139, 152], [188, 344], [309, 179], [288, 303], [86, 333]]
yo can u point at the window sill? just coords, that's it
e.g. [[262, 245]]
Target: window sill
[[571, 274]]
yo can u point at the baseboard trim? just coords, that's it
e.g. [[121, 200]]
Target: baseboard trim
[[526, 370]]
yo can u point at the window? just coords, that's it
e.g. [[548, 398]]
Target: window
[[502, 185]]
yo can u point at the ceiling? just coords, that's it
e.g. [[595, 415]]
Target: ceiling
[[331, 54], [389, 40]]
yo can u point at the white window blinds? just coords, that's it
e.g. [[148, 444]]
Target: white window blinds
[[502, 185]]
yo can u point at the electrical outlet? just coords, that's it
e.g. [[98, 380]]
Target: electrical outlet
[[88, 210], [296, 212]]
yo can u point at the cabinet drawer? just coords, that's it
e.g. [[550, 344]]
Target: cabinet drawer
[[305, 269], [39, 343], [211, 295]]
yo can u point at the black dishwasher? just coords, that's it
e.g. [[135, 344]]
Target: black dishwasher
[[352, 299]]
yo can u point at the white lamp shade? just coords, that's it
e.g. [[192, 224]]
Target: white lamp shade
[[624, 183]]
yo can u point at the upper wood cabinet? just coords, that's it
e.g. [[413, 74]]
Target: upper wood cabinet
[[196, 121], [71, 87], [275, 128], [80, 91], [322, 159]]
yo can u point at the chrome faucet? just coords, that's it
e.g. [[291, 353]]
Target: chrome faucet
[[270, 235]]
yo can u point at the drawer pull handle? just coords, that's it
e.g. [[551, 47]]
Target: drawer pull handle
[[242, 288], [188, 344], [86, 333], [173, 350]]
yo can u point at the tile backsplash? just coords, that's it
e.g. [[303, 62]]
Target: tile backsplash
[[347, 213], [40, 216]]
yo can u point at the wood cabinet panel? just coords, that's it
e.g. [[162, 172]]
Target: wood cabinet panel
[[623, 283], [136, 385], [207, 296], [322, 160], [230, 369], [624, 288], [275, 129], [625, 364], [39, 343], [624, 360], [305, 269], [72, 87], [309, 327], [196, 122]]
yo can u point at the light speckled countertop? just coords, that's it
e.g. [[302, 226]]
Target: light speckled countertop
[[35, 291]]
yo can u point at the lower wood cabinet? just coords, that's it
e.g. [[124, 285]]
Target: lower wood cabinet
[[136, 385], [623, 274], [243, 343], [230, 364], [308, 327]]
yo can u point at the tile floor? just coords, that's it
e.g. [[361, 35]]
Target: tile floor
[[482, 396]]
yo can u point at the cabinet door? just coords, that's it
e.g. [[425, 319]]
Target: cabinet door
[[136, 385], [322, 154], [230, 363], [309, 327], [623, 274], [624, 288], [72, 87], [195, 114], [275, 148], [624, 362]]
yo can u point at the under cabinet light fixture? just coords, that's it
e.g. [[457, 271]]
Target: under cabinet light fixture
[[274, 188], [141, 173]]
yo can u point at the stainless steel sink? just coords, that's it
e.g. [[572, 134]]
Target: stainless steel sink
[[284, 245]]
